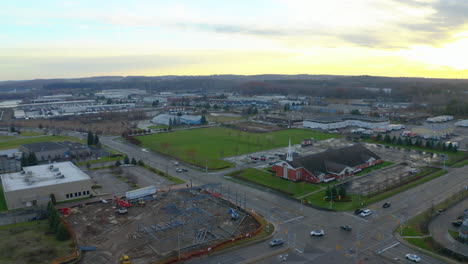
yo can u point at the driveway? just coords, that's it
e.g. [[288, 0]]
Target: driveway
[[441, 224]]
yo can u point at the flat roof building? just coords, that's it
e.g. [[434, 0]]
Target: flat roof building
[[35, 184]]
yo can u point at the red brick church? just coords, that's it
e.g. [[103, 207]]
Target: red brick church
[[326, 166]]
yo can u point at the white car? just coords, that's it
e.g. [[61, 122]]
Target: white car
[[317, 233], [413, 257], [366, 212], [179, 170]]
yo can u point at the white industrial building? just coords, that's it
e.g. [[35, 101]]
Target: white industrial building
[[342, 121], [462, 123], [34, 184], [439, 119]]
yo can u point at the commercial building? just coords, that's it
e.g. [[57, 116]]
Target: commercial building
[[326, 166], [343, 121], [184, 119], [35, 184], [49, 151]]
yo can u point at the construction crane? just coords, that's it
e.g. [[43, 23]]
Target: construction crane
[[125, 260]]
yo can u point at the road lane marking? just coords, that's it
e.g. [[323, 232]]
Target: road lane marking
[[293, 219], [387, 248], [357, 217]]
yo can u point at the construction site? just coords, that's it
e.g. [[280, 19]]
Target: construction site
[[163, 225]]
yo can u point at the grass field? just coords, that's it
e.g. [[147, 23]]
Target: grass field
[[317, 198], [223, 119], [30, 133], [375, 167], [206, 146], [159, 126], [101, 160], [2, 137], [31, 242], [3, 206], [269, 180], [453, 234], [16, 143]]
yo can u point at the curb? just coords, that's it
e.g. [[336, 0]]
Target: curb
[[246, 244], [271, 254], [430, 253]]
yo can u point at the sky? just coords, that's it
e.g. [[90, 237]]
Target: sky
[[68, 39]]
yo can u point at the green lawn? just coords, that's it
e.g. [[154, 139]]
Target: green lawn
[[420, 242], [158, 126], [16, 143], [3, 206], [375, 167], [317, 198], [453, 157], [31, 242], [453, 234], [206, 146], [30, 133], [269, 180], [2, 137]]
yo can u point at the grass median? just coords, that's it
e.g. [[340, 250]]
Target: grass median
[[267, 179]]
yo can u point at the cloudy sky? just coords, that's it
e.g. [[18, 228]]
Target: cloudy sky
[[56, 39]]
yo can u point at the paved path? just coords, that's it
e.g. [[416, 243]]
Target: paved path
[[441, 224]]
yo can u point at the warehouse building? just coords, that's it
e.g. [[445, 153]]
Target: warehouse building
[[35, 184], [343, 121]]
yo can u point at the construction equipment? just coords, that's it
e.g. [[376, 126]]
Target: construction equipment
[[122, 203], [141, 203], [234, 214], [125, 260]]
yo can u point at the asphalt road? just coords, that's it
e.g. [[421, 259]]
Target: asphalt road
[[370, 241]]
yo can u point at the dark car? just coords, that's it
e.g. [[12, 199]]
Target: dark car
[[346, 227], [457, 223], [358, 211], [276, 242], [184, 170], [386, 205]]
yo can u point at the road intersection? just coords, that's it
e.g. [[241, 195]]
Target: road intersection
[[371, 240]]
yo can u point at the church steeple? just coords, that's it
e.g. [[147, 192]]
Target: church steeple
[[289, 155]]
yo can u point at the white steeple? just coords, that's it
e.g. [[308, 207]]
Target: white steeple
[[289, 155]]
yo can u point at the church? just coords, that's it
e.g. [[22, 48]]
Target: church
[[329, 165]]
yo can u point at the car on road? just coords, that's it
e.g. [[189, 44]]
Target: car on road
[[366, 213], [276, 242], [358, 211], [263, 158], [457, 223], [178, 170], [413, 257], [346, 227], [317, 232], [184, 170], [386, 205]]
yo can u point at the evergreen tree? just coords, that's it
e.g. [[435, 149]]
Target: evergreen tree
[[428, 144], [455, 148], [62, 232], [52, 199], [33, 159], [342, 192], [141, 163], [90, 140], [450, 146], [96, 139], [399, 141], [134, 162], [24, 160], [126, 160], [379, 137], [170, 121], [203, 120], [394, 139], [387, 138], [117, 163]]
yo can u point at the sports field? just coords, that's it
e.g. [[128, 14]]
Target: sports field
[[206, 146], [16, 143]]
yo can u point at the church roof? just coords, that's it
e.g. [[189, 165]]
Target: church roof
[[334, 161]]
